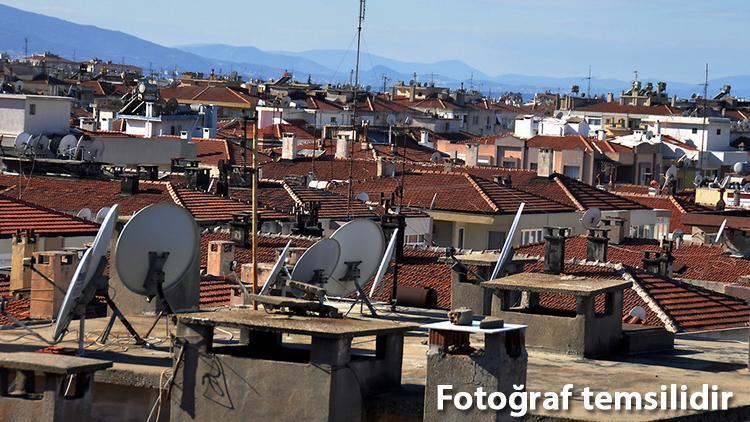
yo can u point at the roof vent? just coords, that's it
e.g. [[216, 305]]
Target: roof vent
[[129, 184]]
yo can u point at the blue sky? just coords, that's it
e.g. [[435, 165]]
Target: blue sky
[[670, 39]]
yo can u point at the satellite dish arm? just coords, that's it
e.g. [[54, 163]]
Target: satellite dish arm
[[505, 252], [384, 263], [721, 230]]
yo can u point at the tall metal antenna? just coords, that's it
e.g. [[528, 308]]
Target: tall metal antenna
[[354, 113], [588, 91], [25, 48], [705, 132]]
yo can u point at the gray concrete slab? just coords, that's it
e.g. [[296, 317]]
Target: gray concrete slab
[[560, 284], [51, 364]]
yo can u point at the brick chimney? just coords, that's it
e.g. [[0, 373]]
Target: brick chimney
[[597, 246], [472, 155], [554, 249], [545, 162], [289, 146], [651, 261], [618, 229], [220, 257], [57, 267], [23, 245]]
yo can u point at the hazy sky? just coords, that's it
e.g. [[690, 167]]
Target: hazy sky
[[669, 39]]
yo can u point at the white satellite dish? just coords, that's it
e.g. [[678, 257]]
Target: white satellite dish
[[363, 197], [68, 147], [362, 245], [698, 180], [385, 262], [158, 228], [318, 261], [677, 234], [436, 157], [84, 214], [390, 119], [638, 312], [507, 247], [101, 215], [20, 142], [80, 291], [591, 218], [276, 270], [671, 172], [721, 231]]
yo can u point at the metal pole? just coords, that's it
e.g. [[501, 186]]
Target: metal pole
[[354, 112], [255, 209]]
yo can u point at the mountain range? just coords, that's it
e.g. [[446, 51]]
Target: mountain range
[[77, 41]]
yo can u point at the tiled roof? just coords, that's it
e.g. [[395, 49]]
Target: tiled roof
[[71, 195], [615, 107], [207, 207], [214, 292], [586, 196], [267, 247], [21, 215], [221, 95], [210, 152], [323, 169], [679, 205], [560, 143]]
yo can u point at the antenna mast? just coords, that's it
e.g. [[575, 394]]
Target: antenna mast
[[588, 91], [705, 133], [354, 113]]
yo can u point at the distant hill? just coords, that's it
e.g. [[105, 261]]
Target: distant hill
[[324, 66]]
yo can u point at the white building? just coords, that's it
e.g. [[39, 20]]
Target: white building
[[34, 114], [529, 126], [713, 134]]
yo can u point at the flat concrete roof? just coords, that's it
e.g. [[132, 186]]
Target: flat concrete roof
[[559, 284], [49, 363], [484, 259], [292, 324]]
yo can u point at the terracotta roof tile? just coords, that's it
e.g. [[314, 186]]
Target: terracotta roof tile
[[21, 215]]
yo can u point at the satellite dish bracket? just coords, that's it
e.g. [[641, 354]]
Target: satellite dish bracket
[[155, 278], [352, 271]]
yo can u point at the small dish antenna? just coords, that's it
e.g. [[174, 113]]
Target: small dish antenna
[[638, 312], [390, 120], [161, 238], [68, 147], [84, 214], [102, 214], [698, 181], [591, 218], [276, 270], [507, 247], [22, 139], [362, 245], [318, 262], [363, 197], [436, 157]]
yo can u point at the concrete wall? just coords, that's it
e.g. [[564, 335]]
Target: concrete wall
[[52, 115], [46, 244], [135, 151]]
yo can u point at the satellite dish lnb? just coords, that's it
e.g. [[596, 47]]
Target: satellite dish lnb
[[591, 218], [160, 229]]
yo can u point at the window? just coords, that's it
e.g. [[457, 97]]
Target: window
[[32, 109], [594, 121], [531, 236], [460, 244], [333, 120], [415, 239], [573, 172], [695, 130], [533, 166], [495, 240], [718, 131]]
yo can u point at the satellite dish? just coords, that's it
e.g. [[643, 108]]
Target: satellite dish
[[671, 172], [81, 291], [390, 120], [101, 214], [721, 231], [84, 214], [385, 262], [436, 157], [20, 142], [591, 218], [638, 312], [68, 147], [677, 234], [276, 270], [698, 181], [507, 248], [363, 197], [362, 245], [160, 228], [93, 151], [318, 261], [742, 168]]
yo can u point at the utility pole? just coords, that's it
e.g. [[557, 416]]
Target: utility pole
[[25, 48], [255, 207], [354, 113], [588, 91]]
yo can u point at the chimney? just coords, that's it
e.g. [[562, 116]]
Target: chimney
[[197, 178], [657, 127], [674, 101], [386, 168], [393, 93], [601, 135], [129, 184], [617, 229], [208, 133], [186, 135], [472, 155], [288, 146], [412, 92], [598, 245], [23, 245], [240, 229], [610, 97], [220, 257], [554, 250], [424, 138], [46, 299], [651, 260], [545, 162], [342, 148]]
